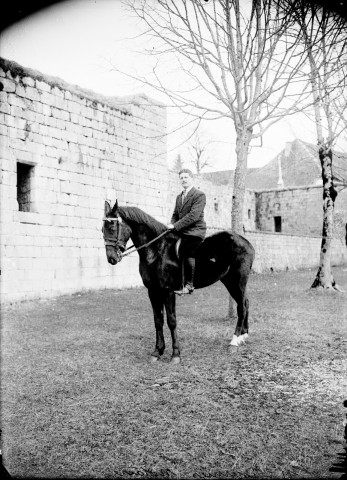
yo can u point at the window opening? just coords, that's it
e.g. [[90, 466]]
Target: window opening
[[278, 224], [24, 187]]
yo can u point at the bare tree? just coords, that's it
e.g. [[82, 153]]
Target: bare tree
[[198, 151], [238, 64], [321, 32]]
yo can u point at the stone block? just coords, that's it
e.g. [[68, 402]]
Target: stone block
[[32, 94], [46, 110], [4, 130], [58, 92], [8, 85], [8, 178], [74, 108], [15, 111], [29, 115], [47, 98], [13, 99], [60, 103], [75, 118], [28, 81], [43, 86]]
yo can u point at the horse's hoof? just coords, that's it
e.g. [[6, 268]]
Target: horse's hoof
[[234, 342], [242, 339], [154, 359], [175, 360]]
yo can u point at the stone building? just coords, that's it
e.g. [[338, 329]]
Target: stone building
[[288, 191], [298, 210]]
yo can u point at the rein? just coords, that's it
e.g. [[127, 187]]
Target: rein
[[129, 250], [144, 245]]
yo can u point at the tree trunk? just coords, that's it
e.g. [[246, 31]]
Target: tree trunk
[[324, 277], [243, 140], [242, 144]]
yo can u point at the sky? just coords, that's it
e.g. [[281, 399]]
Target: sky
[[80, 40]]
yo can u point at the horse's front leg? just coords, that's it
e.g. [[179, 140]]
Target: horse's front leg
[[157, 302], [170, 306]]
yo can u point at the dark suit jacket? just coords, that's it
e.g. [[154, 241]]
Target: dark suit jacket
[[189, 217]]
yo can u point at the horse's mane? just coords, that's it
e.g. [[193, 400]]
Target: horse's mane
[[138, 216]]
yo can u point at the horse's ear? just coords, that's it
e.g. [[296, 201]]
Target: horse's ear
[[107, 208], [115, 208]]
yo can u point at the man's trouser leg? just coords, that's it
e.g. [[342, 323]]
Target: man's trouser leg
[[189, 245], [190, 271]]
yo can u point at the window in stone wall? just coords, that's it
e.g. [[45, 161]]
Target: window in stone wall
[[278, 224], [249, 213], [24, 186]]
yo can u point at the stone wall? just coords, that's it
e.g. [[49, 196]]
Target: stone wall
[[300, 209], [71, 149], [277, 251]]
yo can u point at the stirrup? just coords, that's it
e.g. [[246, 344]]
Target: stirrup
[[186, 290]]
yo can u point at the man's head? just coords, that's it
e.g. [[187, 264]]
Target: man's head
[[186, 177]]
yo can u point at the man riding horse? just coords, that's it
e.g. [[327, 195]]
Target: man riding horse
[[223, 256], [188, 220]]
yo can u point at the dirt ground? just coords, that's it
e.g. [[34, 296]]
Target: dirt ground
[[80, 398]]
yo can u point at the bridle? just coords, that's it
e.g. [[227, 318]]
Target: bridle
[[115, 242], [118, 245]]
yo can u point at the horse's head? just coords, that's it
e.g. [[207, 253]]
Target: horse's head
[[116, 233]]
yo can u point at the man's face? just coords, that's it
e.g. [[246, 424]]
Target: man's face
[[186, 180]]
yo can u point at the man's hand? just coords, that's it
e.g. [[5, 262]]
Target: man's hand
[[170, 226]]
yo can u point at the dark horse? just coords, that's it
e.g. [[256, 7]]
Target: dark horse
[[222, 256]]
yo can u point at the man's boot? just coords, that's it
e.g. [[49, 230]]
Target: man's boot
[[190, 270]]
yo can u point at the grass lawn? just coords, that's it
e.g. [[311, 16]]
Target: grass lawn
[[80, 397]]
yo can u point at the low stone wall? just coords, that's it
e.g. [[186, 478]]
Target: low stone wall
[[278, 251]]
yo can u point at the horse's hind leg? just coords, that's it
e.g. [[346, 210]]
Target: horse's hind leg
[[241, 331], [238, 291], [158, 312]]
